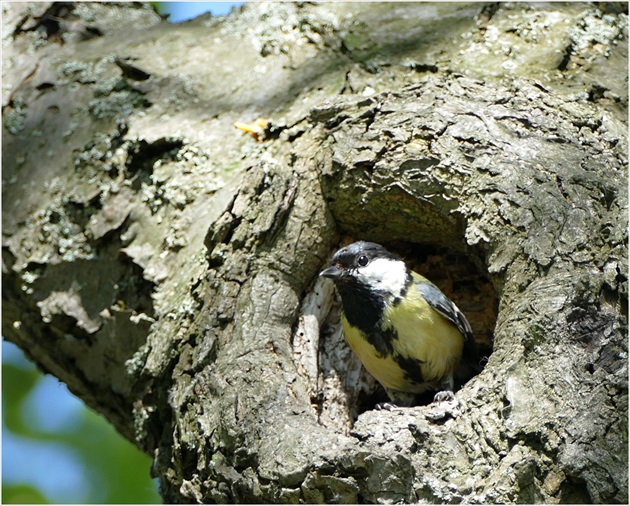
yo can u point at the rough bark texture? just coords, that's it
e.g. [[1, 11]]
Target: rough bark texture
[[164, 265]]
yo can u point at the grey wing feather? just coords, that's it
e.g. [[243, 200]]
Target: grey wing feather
[[440, 302]]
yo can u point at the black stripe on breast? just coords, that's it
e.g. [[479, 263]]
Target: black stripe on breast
[[363, 309], [383, 341], [412, 368]]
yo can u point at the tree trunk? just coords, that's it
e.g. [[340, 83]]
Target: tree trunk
[[164, 264]]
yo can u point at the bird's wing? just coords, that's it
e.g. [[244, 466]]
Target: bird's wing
[[440, 302]]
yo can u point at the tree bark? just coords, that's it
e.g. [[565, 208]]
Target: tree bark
[[164, 265]]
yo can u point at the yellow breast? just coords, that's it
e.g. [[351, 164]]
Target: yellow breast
[[422, 335]]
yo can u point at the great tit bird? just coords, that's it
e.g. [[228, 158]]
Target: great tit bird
[[405, 331]]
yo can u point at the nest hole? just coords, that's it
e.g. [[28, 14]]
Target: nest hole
[[462, 278]]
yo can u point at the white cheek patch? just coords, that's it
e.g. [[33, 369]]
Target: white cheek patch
[[385, 275]]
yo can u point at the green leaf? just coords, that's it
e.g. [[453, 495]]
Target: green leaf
[[22, 494]]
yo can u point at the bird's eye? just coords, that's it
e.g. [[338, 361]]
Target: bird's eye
[[363, 260]]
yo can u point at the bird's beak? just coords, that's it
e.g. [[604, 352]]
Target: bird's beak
[[333, 272]]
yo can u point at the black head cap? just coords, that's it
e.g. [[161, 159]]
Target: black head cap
[[355, 255], [351, 253]]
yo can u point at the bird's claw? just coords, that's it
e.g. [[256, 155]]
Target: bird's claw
[[386, 406], [445, 404], [444, 396]]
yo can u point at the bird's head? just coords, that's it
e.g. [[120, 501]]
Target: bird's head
[[368, 266]]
